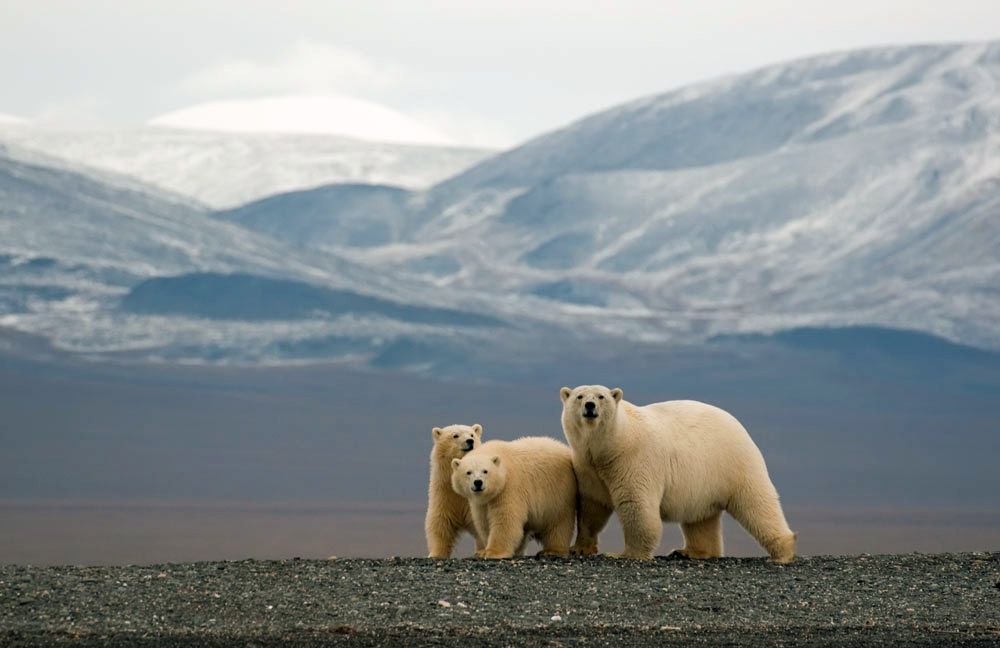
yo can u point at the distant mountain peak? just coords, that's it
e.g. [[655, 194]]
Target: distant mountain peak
[[305, 114]]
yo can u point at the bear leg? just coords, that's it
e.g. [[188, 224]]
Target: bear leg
[[555, 540], [593, 516], [441, 537], [480, 528], [506, 535], [782, 550], [757, 509], [702, 539], [642, 528]]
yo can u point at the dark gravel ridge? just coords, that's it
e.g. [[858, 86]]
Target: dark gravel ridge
[[946, 599]]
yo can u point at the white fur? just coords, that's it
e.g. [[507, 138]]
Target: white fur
[[528, 488], [448, 514], [677, 461]]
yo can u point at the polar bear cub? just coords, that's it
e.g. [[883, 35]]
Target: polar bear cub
[[677, 461], [516, 490], [448, 512]]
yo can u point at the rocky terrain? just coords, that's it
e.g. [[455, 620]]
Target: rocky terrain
[[912, 599]]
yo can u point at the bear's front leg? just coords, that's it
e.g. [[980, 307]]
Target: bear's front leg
[[592, 518], [506, 533], [481, 527], [641, 525], [441, 536]]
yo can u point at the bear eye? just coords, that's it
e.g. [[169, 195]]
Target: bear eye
[[580, 397], [485, 472], [601, 397], [455, 437], [469, 472]]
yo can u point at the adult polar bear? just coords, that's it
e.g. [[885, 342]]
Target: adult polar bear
[[677, 461]]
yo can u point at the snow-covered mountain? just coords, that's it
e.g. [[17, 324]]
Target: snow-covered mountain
[[305, 114], [860, 188], [97, 265], [854, 188], [224, 170]]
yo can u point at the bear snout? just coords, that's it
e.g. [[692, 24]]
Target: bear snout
[[590, 409], [477, 485], [469, 444]]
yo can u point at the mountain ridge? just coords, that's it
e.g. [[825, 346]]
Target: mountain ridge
[[858, 188]]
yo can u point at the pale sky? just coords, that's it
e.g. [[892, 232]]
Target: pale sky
[[480, 73]]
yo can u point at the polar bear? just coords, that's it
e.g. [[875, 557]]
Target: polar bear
[[519, 489], [447, 512], [677, 461]]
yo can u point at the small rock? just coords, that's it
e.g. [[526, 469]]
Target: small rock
[[443, 603], [556, 617]]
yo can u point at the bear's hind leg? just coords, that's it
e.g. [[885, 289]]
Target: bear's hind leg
[[702, 539], [757, 509], [556, 539]]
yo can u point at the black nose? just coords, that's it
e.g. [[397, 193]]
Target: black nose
[[590, 405], [469, 443], [478, 484]]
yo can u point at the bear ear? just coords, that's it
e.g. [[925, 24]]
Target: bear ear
[[477, 429], [454, 463], [564, 393], [435, 433], [617, 394], [496, 461]]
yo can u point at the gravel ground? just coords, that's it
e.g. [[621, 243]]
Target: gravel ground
[[948, 599]]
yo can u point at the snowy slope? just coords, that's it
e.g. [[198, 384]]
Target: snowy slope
[[228, 169], [854, 188], [94, 266], [860, 188], [352, 215]]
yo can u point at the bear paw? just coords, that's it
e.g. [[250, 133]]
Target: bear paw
[[631, 555], [584, 550], [492, 555], [552, 553]]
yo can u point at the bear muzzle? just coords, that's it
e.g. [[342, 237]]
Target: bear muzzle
[[469, 445], [477, 486]]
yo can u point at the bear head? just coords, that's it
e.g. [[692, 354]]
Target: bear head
[[455, 440], [589, 407], [478, 476]]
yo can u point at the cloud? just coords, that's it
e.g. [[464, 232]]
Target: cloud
[[318, 69], [307, 68]]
